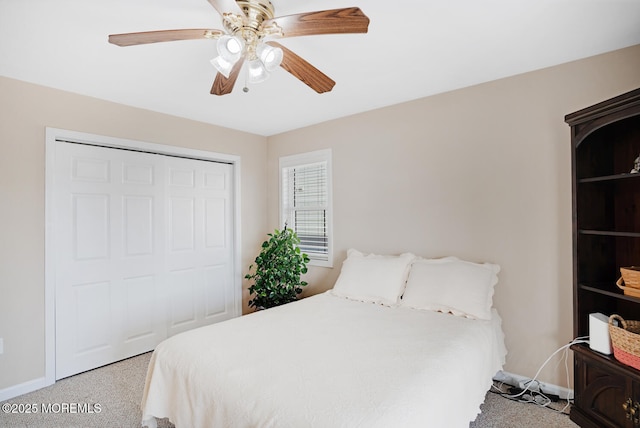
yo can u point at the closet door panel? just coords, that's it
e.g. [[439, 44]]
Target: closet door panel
[[199, 242]]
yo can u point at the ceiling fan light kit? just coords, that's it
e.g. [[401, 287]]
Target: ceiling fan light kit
[[230, 46], [270, 57], [229, 52], [257, 73], [248, 23], [223, 66]]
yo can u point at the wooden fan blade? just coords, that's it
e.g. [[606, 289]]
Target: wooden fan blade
[[223, 85], [335, 21], [305, 72], [130, 39], [226, 6]]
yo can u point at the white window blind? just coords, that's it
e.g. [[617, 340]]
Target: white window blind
[[305, 200]]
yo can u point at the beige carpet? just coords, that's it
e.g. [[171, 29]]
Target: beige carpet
[[116, 391]]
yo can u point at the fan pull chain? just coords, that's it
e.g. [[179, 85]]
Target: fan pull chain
[[246, 80]]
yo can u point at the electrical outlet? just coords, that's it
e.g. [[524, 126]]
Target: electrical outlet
[[1, 345]]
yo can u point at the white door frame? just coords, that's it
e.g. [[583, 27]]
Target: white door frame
[[51, 136]]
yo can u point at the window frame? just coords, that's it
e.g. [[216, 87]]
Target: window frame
[[299, 160]]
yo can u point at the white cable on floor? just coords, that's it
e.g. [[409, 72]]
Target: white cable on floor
[[545, 401]]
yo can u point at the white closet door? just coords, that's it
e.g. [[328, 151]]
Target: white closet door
[[199, 243], [131, 258]]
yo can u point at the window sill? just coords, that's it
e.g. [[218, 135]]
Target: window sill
[[320, 263]]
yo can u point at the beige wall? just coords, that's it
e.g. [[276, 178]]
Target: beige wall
[[483, 173], [25, 111]]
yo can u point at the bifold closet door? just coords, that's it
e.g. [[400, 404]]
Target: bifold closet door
[[199, 243], [143, 250]]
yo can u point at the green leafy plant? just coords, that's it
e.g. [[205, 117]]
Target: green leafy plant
[[276, 279]]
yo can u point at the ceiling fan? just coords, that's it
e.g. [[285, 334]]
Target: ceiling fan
[[248, 25]]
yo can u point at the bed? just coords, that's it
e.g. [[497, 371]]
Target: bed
[[390, 345]]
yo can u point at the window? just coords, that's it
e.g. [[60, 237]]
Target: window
[[305, 202]]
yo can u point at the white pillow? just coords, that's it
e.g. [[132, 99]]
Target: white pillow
[[373, 278], [451, 285]]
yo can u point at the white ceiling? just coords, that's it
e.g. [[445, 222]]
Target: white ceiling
[[414, 49]]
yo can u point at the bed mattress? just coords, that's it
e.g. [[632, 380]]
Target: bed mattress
[[326, 361]]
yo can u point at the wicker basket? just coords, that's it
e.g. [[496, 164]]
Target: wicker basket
[[628, 291], [625, 340], [631, 276]]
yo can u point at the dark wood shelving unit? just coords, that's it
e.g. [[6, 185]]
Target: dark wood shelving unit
[[605, 142]]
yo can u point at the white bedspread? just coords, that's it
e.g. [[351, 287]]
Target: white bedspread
[[326, 362]]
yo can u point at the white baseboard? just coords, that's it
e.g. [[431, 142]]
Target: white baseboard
[[520, 381], [22, 388]]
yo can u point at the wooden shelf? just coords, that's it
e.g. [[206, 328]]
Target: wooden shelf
[[606, 359], [609, 178], [609, 233], [617, 293]]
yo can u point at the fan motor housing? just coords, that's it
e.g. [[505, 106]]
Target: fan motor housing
[[256, 11]]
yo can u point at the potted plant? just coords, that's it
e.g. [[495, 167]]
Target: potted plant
[[276, 278]]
